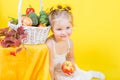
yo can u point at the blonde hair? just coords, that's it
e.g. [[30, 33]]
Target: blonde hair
[[60, 13]]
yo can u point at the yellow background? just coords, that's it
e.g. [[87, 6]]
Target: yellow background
[[96, 32]]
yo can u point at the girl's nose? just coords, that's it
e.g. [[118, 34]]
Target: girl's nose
[[63, 32]]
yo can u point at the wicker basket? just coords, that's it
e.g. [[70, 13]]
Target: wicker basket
[[35, 35]]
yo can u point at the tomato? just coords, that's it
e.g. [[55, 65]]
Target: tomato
[[28, 10]]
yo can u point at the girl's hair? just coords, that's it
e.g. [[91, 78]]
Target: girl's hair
[[60, 13]]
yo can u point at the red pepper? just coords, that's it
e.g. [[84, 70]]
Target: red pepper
[[30, 9]]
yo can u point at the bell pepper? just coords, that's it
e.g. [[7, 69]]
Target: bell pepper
[[30, 9]]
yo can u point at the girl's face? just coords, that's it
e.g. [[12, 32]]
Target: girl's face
[[62, 29]]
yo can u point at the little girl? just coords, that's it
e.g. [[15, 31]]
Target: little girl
[[61, 46]]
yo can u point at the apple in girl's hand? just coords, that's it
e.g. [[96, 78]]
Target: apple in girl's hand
[[68, 68]]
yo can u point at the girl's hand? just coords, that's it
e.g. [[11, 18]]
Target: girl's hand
[[68, 57], [58, 67]]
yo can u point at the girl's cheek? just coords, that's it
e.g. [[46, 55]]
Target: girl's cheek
[[70, 32], [56, 33]]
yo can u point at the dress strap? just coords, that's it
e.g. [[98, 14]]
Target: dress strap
[[68, 44], [53, 46]]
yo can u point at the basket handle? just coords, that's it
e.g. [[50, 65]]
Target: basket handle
[[19, 11]]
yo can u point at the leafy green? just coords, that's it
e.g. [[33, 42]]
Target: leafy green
[[43, 18]]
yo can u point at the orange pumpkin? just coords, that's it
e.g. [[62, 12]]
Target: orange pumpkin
[[41, 25], [68, 68]]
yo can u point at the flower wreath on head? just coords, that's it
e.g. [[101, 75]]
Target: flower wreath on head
[[60, 7]]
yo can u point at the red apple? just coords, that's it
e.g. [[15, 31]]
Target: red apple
[[68, 68]]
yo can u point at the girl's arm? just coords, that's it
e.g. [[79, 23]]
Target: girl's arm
[[51, 66], [70, 55]]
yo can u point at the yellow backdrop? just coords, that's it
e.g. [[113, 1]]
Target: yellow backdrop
[[96, 32]]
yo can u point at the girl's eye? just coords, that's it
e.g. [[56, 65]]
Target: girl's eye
[[59, 29], [67, 27]]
